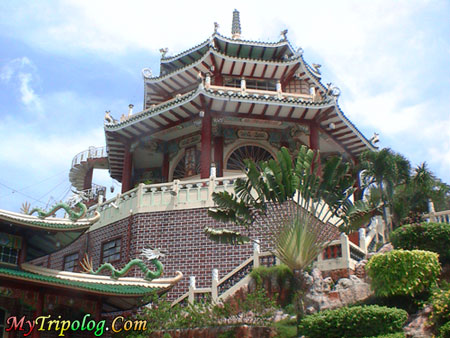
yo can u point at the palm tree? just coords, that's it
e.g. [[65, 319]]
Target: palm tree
[[289, 202], [383, 171]]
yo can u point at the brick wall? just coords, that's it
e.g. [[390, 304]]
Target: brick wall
[[180, 234]]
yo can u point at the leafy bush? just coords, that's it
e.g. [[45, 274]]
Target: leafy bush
[[441, 307], [356, 321], [163, 316], [433, 237], [277, 279], [401, 272], [444, 331]]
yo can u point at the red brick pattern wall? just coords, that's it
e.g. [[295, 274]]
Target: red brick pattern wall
[[180, 234]]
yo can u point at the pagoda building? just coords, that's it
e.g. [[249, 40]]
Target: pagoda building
[[212, 106]]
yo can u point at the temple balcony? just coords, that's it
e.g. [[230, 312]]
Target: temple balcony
[[176, 195]]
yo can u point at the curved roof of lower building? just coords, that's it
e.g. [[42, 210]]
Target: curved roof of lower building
[[112, 289]]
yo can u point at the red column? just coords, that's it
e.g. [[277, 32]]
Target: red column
[[165, 167], [218, 79], [313, 136], [205, 160], [314, 140], [126, 170], [218, 155], [87, 184]]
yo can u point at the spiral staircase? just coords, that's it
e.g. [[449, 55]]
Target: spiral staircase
[[82, 163]]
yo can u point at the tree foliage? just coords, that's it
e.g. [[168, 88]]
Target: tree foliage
[[272, 185]]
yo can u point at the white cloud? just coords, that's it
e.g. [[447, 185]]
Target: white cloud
[[23, 73]]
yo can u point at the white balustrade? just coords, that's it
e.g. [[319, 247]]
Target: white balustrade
[[176, 195]]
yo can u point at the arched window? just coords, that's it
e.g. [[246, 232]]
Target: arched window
[[188, 165], [252, 152]]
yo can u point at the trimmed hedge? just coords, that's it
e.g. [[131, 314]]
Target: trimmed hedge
[[356, 321], [401, 272], [433, 237]]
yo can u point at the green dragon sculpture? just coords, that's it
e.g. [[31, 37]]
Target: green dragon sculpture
[[151, 255], [75, 208], [73, 215]]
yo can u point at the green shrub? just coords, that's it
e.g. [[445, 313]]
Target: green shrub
[[444, 331], [356, 321], [441, 307], [401, 272], [433, 237], [279, 279]]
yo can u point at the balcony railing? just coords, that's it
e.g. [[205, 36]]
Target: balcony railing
[[176, 195]]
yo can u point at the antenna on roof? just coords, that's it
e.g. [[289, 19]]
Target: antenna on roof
[[236, 25]]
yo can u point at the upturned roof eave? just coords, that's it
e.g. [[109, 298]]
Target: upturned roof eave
[[212, 50], [49, 223], [89, 284], [211, 94], [281, 43]]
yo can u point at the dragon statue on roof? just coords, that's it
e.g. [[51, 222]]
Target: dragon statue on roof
[[150, 254], [75, 208]]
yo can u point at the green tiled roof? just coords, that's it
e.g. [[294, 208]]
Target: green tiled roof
[[118, 289]]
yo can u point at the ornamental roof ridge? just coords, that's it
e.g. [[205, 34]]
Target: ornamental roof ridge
[[53, 223], [185, 52], [31, 273], [218, 53], [227, 39], [257, 43], [101, 279]]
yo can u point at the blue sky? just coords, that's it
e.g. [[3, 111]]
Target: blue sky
[[63, 63]]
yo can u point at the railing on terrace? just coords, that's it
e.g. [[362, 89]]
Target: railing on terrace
[[278, 93], [175, 195], [433, 216], [261, 93], [93, 194], [91, 153], [342, 253]]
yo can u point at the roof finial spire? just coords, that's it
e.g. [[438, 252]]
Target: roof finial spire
[[236, 25]]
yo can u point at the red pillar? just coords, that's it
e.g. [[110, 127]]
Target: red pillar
[[87, 184], [205, 160], [314, 140], [126, 170], [218, 79], [313, 136], [165, 167], [218, 155]]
